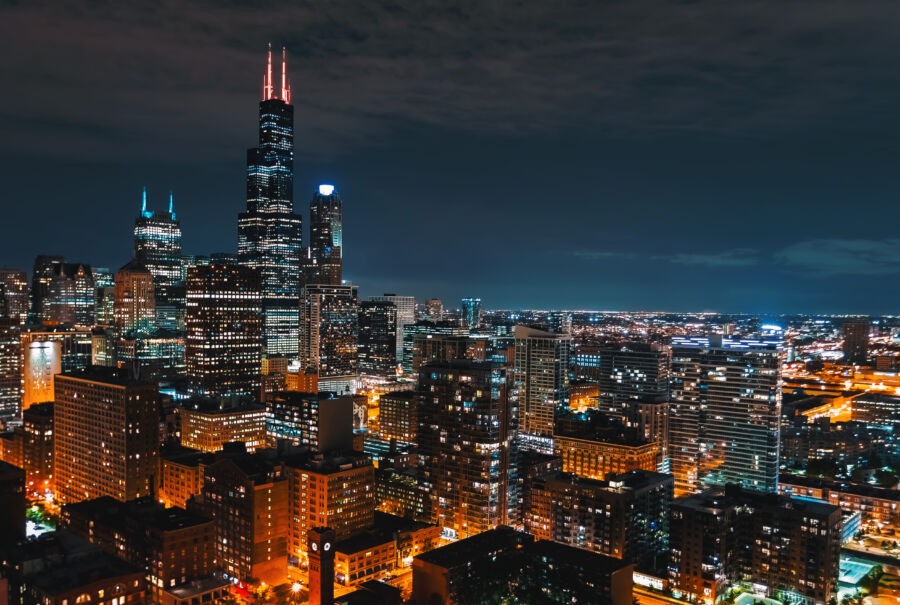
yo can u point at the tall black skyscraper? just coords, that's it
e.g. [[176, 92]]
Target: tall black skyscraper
[[157, 246], [324, 259], [269, 233]]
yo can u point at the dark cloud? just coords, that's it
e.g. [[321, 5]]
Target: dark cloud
[[833, 257]]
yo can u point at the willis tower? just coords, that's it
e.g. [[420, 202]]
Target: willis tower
[[269, 232]]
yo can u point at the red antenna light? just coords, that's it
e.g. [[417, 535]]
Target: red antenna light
[[269, 92], [285, 91]]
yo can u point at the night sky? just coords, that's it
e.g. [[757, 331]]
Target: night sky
[[735, 156]]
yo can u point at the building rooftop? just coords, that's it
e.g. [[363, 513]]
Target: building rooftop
[[146, 511], [364, 541], [589, 560], [870, 491], [207, 405], [111, 376], [476, 547], [332, 462]]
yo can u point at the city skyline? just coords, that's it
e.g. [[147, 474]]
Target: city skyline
[[755, 178]]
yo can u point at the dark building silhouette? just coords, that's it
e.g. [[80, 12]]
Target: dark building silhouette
[[856, 340], [378, 338], [324, 257]]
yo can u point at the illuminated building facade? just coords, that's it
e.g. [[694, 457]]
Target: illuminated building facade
[[415, 337], [317, 420], [223, 340], [433, 310], [246, 496], [134, 307], [365, 557], [41, 274], [398, 416], [330, 330], [173, 546], [269, 233], [725, 411], [406, 314], [106, 437], [158, 355], [10, 368], [378, 325], [637, 371], [471, 312], [207, 425], [14, 290], [400, 492], [856, 340], [42, 361], [324, 258], [157, 246], [626, 517], [329, 490], [592, 457], [69, 295], [180, 474], [542, 379], [37, 448], [467, 430], [784, 548]]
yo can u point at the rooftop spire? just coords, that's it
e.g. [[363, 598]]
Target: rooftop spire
[[144, 201], [171, 204], [285, 89], [269, 91]]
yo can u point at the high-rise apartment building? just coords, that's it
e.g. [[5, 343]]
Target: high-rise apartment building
[[626, 517], [471, 312], [785, 548], [378, 325], [316, 420], [41, 274], [398, 416], [134, 307], [416, 349], [269, 233], [37, 448], [10, 367], [157, 246], [632, 371], [542, 379], [334, 490], [406, 314], [725, 410], [467, 430], [106, 436], [224, 340], [856, 340], [14, 288], [330, 330], [324, 257], [433, 310]]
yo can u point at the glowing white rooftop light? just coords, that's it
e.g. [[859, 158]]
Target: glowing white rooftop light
[[326, 189]]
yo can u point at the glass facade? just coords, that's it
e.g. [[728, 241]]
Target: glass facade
[[157, 246], [323, 263], [269, 233]]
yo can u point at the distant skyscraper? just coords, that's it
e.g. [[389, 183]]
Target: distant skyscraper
[[724, 415], [106, 437], [134, 298], [14, 288], [324, 258], [406, 315], [10, 368], [378, 337], [856, 340], [542, 378], [330, 330], [433, 310], [269, 233], [223, 340], [471, 312], [467, 428], [69, 296], [40, 282], [157, 246]]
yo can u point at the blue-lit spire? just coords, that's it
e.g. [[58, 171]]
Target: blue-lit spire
[[144, 211], [171, 205]]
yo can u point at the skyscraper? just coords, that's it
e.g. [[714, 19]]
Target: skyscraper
[[406, 314], [378, 337], [14, 289], [856, 340], [134, 299], [269, 233], [10, 368], [724, 415], [157, 246], [467, 442], [324, 258], [41, 274], [223, 340], [471, 312], [69, 294], [330, 331], [542, 378]]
